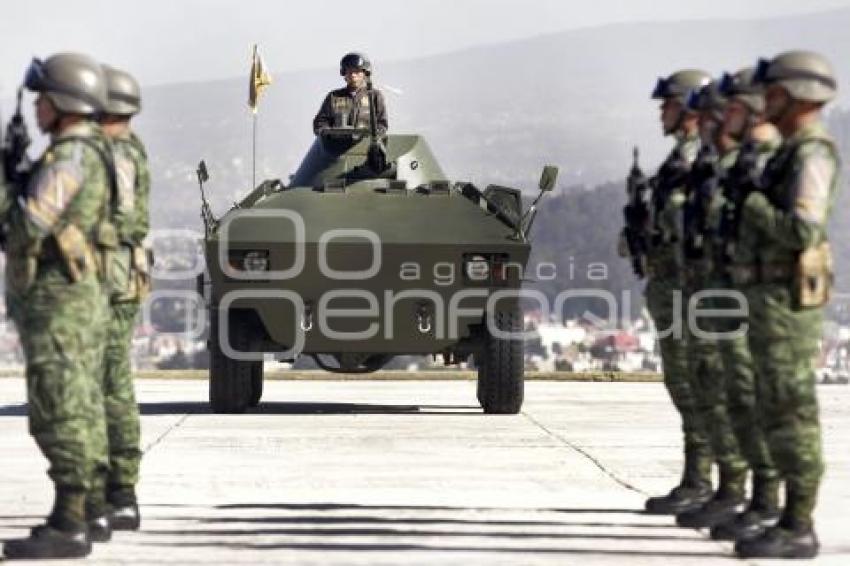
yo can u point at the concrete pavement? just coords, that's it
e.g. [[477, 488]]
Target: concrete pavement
[[389, 472]]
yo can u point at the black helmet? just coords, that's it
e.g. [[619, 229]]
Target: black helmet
[[125, 97], [355, 61], [75, 83]]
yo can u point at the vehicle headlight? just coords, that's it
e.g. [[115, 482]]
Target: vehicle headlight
[[477, 268], [255, 261]]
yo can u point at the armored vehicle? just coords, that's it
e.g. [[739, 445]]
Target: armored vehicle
[[367, 253]]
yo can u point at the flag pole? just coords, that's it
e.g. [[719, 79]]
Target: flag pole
[[260, 79]]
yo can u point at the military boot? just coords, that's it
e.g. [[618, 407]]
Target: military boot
[[97, 519], [729, 499], [779, 542], [63, 536], [691, 493], [762, 513], [792, 537], [124, 510]]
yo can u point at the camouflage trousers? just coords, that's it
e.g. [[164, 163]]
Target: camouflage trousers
[[710, 381], [664, 301], [741, 399], [62, 334], [784, 343], [122, 412]]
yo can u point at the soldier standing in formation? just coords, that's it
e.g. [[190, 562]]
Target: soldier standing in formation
[[701, 216], [744, 121], [783, 262], [664, 287], [350, 106], [56, 228], [755, 225], [129, 285]]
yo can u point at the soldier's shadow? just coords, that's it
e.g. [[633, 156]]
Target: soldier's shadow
[[19, 410], [615, 533]]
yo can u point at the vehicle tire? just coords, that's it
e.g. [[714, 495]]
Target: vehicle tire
[[256, 383], [500, 368], [231, 388]]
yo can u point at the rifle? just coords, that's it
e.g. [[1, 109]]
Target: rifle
[[743, 178], [672, 175], [377, 156], [636, 213], [16, 164], [703, 184]]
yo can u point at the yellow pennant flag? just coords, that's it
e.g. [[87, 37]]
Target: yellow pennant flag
[[260, 79]]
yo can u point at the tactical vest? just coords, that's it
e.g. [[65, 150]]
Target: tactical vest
[[77, 237], [351, 110], [743, 177], [808, 272], [781, 170], [663, 258]]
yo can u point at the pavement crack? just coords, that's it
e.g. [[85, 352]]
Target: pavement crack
[[168, 431], [585, 454]]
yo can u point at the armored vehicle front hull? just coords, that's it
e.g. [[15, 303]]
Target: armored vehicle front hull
[[399, 264], [354, 267]]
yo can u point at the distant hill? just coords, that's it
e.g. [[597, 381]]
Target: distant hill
[[492, 114]]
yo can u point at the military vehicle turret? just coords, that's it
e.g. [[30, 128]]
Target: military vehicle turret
[[368, 252]]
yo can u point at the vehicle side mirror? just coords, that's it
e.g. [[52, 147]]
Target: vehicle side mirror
[[548, 178]]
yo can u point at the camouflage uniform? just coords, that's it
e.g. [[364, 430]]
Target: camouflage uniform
[[129, 277], [55, 298], [738, 364], [666, 306], [705, 362], [789, 217]]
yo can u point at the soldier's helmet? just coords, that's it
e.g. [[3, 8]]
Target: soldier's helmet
[[805, 75], [355, 61], [742, 86], [680, 85], [74, 82], [708, 99], [124, 94]]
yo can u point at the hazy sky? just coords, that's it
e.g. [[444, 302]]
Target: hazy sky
[[184, 40]]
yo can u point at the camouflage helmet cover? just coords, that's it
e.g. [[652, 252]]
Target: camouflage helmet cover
[[124, 94], [804, 74], [74, 82]]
